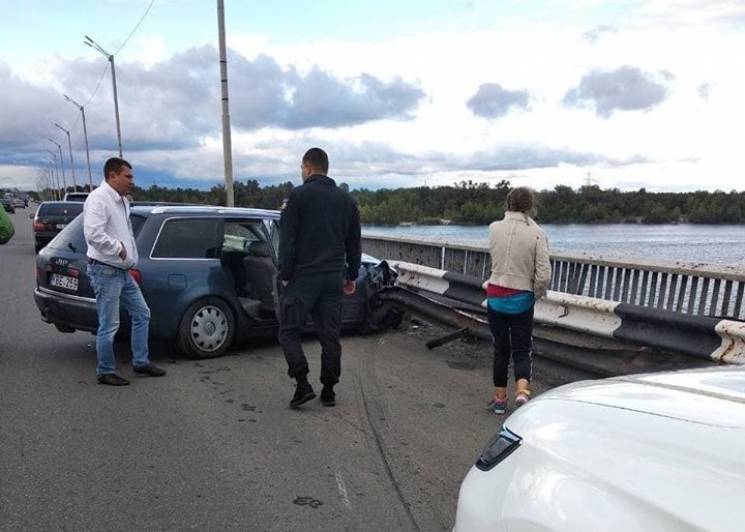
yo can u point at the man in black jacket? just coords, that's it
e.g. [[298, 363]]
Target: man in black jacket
[[319, 258]]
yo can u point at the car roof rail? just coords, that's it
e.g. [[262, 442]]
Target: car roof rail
[[216, 209]]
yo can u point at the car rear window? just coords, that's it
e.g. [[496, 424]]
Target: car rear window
[[76, 197], [59, 209], [72, 237], [189, 238]]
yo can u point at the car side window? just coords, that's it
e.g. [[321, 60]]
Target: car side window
[[189, 238], [239, 236]]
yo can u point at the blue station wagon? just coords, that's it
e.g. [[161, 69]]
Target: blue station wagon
[[209, 275]]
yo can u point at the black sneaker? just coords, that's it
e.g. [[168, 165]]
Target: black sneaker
[[328, 397], [112, 379], [150, 369], [303, 393]]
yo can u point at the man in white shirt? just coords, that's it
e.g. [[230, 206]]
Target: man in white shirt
[[112, 252]]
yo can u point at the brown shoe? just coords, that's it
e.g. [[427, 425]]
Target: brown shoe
[[112, 379]]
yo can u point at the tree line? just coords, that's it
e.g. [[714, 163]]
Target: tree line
[[479, 203]]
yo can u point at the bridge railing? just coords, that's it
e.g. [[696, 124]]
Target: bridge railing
[[696, 289]]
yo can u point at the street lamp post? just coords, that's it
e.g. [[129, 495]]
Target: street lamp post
[[72, 163], [61, 162], [85, 134], [93, 44], [54, 156], [227, 150], [50, 187]]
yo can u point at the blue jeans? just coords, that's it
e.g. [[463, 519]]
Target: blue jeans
[[114, 286]]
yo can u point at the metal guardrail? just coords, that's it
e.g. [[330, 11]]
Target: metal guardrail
[[714, 339], [696, 289]]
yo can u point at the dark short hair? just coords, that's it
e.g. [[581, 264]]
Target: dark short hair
[[520, 199], [317, 159], [114, 164]]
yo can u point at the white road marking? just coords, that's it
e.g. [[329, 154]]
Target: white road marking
[[343, 491]]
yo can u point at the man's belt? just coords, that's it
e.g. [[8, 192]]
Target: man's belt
[[94, 261]]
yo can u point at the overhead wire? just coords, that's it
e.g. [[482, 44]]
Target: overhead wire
[[135, 28], [106, 68]]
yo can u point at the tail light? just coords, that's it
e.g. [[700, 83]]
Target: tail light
[[136, 275], [40, 226]]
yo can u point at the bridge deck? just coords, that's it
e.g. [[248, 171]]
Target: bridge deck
[[213, 445]]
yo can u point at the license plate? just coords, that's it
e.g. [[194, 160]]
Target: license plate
[[64, 281], [61, 226]]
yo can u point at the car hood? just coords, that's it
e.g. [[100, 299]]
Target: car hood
[[709, 396], [672, 444]]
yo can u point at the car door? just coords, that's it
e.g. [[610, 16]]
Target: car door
[[248, 255], [183, 266]]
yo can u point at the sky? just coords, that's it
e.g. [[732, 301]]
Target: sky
[[621, 94]]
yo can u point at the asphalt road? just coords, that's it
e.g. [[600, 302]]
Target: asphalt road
[[214, 446]]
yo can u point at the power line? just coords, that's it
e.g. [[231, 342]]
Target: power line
[[106, 68], [135, 28], [93, 94]]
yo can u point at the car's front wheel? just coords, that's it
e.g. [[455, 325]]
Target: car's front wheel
[[207, 329]]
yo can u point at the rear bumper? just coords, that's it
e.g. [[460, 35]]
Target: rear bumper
[[44, 237], [67, 310]]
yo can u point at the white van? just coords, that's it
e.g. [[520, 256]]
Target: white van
[[76, 196]]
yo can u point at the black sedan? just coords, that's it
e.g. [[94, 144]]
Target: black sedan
[[50, 218]]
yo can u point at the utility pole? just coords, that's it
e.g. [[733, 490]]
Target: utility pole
[[588, 180], [93, 44], [85, 134], [72, 163], [227, 150], [61, 162]]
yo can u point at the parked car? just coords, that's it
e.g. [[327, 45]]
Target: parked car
[[7, 204], [658, 452], [209, 275], [76, 196], [50, 218]]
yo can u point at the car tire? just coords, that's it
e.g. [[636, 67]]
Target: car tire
[[38, 247], [207, 329], [387, 316]]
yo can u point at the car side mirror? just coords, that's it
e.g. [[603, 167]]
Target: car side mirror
[[31, 216]]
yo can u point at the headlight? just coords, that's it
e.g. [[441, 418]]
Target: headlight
[[501, 445]]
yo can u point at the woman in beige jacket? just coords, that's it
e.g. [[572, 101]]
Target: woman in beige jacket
[[519, 276]]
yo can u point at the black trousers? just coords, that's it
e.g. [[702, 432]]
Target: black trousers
[[513, 336], [319, 296]]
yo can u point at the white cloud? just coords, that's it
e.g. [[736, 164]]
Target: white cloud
[[688, 141]]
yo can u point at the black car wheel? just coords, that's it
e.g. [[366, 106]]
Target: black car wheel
[[386, 316], [207, 329]]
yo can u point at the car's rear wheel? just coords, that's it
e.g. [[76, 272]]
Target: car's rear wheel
[[207, 329]]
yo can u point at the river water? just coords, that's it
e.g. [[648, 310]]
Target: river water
[[715, 244]]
